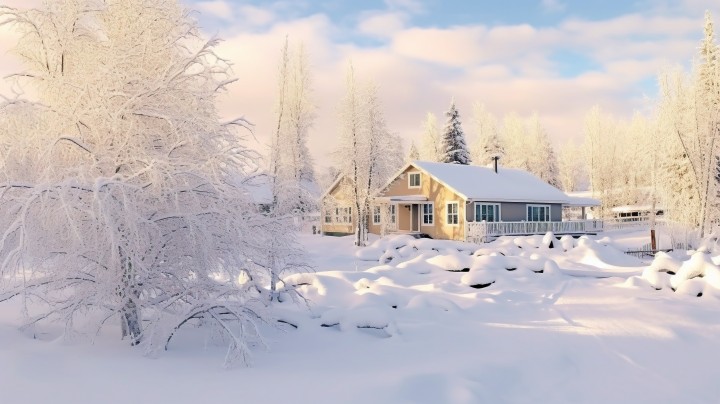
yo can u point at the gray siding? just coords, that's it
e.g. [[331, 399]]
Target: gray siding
[[517, 211]]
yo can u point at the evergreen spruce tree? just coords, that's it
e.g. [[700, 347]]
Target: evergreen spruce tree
[[452, 145]]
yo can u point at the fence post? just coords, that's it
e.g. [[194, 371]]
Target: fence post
[[653, 244]]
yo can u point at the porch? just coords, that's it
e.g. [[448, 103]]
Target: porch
[[480, 232], [404, 214]]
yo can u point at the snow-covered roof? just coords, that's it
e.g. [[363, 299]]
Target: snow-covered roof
[[634, 208], [582, 201], [484, 184], [332, 186]]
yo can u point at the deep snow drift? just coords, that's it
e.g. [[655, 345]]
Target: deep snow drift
[[426, 321]]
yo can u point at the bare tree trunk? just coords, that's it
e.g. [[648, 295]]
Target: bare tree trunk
[[129, 315], [274, 275]]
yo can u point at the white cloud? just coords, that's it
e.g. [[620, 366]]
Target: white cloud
[[216, 8], [255, 16], [413, 6], [552, 6], [382, 25], [451, 47]]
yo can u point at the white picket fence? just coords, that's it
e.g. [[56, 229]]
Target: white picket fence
[[484, 231]]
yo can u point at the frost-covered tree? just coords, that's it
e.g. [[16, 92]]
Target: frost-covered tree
[[122, 195], [689, 112], [601, 143], [487, 144], [681, 188], [570, 167], [527, 146], [515, 141], [430, 144], [453, 147], [543, 161], [292, 171], [413, 153], [280, 120], [368, 153]]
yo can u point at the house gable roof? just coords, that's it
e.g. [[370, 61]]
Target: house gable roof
[[484, 184]]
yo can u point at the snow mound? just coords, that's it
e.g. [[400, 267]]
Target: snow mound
[[692, 277], [710, 244], [379, 247], [360, 318], [397, 247], [455, 262]]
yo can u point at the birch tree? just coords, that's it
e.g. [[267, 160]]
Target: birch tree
[[542, 160], [570, 167], [292, 171], [601, 141], [122, 194], [430, 144], [487, 144], [280, 122], [413, 153], [516, 142], [368, 153], [690, 112]]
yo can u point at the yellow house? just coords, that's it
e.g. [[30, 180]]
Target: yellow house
[[458, 202]]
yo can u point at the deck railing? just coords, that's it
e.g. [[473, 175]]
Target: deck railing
[[484, 231]]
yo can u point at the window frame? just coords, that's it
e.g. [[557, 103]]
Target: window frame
[[343, 215], [528, 212], [430, 214], [392, 213], [455, 214], [376, 214], [496, 208], [410, 176]]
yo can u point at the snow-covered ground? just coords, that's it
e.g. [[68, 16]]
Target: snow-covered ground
[[424, 321]]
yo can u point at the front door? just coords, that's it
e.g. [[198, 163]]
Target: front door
[[415, 218]]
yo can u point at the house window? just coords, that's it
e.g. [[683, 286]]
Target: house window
[[428, 216], [538, 213], [487, 212], [376, 215], [414, 180], [452, 213], [328, 217], [392, 213], [343, 215]]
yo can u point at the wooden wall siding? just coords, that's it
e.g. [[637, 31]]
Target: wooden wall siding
[[435, 192], [338, 197]]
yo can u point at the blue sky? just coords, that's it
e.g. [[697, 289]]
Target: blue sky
[[558, 58]]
